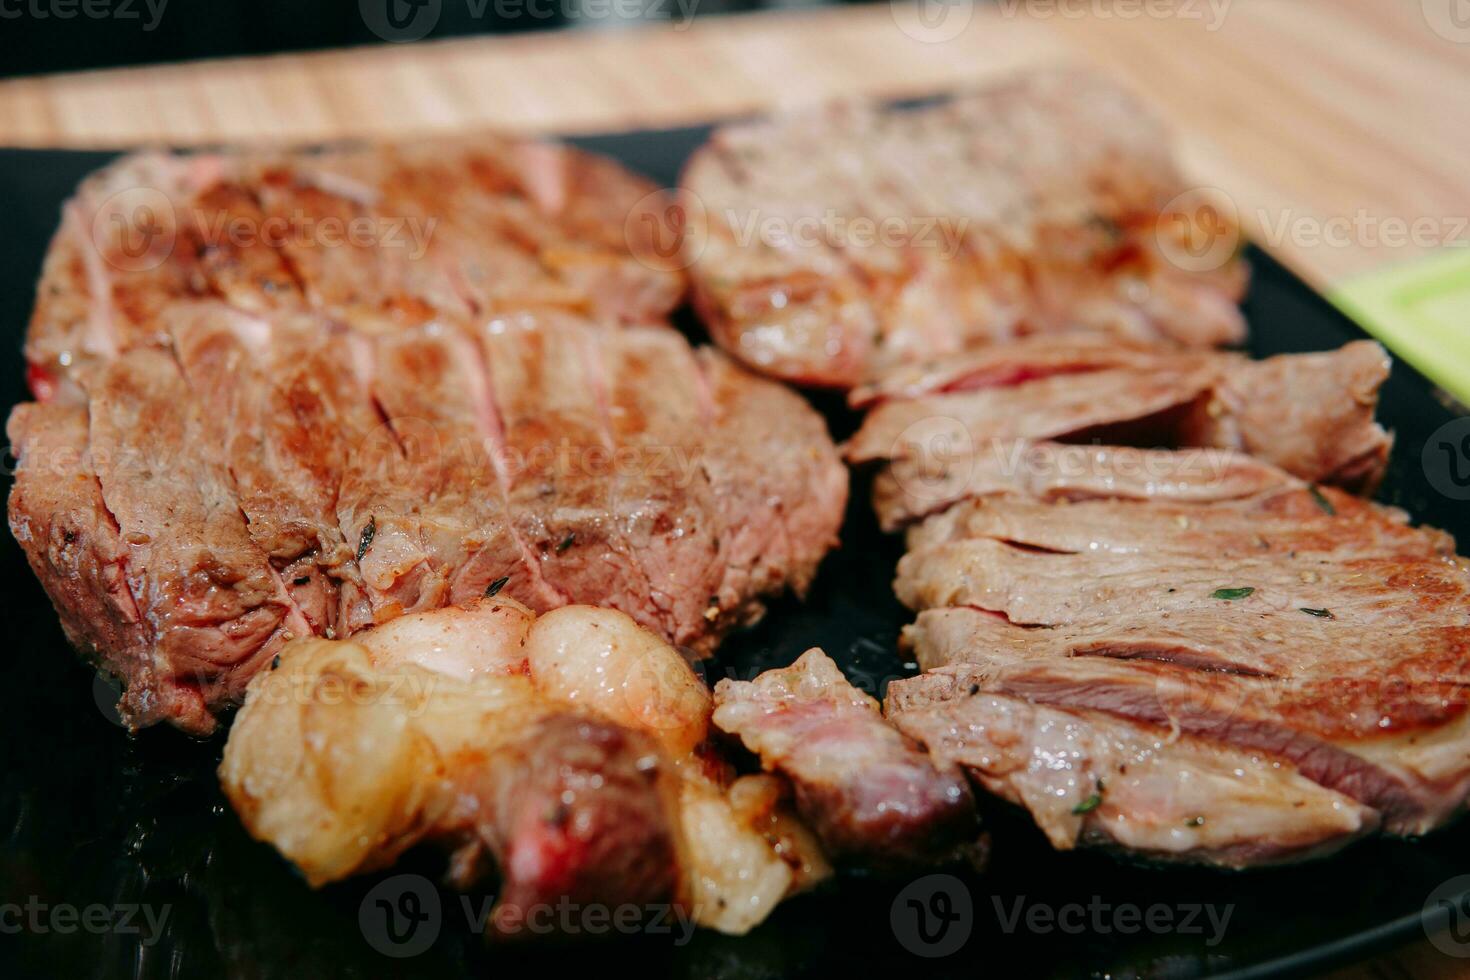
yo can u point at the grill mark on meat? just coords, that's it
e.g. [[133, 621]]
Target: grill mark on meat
[[664, 501], [213, 610], [591, 356], [492, 430]]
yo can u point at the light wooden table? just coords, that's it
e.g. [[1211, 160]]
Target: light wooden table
[[1324, 121]]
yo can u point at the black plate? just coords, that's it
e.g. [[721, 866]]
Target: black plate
[[93, 817]]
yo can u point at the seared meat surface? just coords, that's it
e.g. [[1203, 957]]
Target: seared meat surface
[[948, 430], [1239, 680], [832, 244], [244, 439], [869, 792]]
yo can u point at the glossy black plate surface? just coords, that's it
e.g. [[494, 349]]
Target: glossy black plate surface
[[91, 817]]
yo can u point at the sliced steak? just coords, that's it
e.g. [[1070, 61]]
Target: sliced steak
[[923, 484], [828, 245], [1089, 778], [1300, 626], [214, 608], [1311, 414], [867, 791], [294, 421]]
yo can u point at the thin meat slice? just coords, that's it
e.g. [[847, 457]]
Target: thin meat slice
[[77, 551], [215, 609], [1089, 778], [866, 790], [917, 486], [425, 511], [833, 243], [1306, 654], [1009, 364], [1054, 589], [1189, 399], [1285, 522], [662, 496], [288, 416], [561, 509], [766, 452]]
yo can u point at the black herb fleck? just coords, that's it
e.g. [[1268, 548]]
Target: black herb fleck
[[1319, 613], [566, 542], [1232, 593], [275, 661], [368, 533], [1088, 805], [1195, 822], [494, 587], [303, 580], [1322, 500]]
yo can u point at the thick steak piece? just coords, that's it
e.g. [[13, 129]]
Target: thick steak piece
[[869, 793], [310, 392], [395, 233], [272, 475], [831, 244], [1312, 644], [947, 433]]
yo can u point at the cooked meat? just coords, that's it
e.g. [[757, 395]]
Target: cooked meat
[[920, 485], [1310, 414], [397, 234], [828, 245], [868, 792], [297, 418], [1109, 663], [566, 749]]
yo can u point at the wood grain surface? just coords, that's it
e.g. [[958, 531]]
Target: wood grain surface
[[1338, 129]]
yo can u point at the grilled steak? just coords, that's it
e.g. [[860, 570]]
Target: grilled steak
[[828, 245], [867, 791], [946, 428], [226, 455], [1241, 680], [397, 234]]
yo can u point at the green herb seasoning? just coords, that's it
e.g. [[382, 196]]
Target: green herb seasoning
[[1230, 594], [1319, 613], [1322, 500], [494, 587], [1088, 805]]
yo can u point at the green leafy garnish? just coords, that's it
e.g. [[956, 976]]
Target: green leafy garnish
[[1232, 593], [1322, 500], [1088, 805], [566, 542], [1319, 613]]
